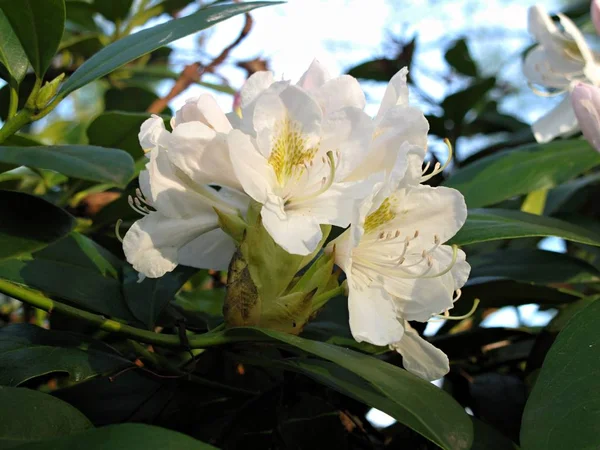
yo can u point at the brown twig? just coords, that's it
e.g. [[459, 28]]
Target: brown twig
[[193, 72]]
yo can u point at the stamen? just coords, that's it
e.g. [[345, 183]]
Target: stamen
[[117, 231], [447, 315], [326, 182], [439, 169], [450, 266], [135, 208]]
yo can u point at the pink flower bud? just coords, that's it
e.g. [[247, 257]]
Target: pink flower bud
[[595, 13], [585, 99]]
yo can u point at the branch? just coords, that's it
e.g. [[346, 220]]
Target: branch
[[44, 303], [192, 73]]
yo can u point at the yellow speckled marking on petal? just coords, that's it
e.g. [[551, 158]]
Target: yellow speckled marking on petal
[[383, 215], [289, 151]]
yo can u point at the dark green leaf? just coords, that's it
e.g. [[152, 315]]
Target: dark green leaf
[[148, 299], [75, 269], [28, 223], [495, 293], [130, 436], [457, 105], [459, 57], [80, 16], [113, 10], [563, 410], [532, 265], [29, 416], [567, 192], [86, 162], [24, 90], [504, 175], [12, 55], [133, 46], [492, 224], [411, 400], [378, 70], [39, 25], [28, 351], [130, 99], [118, 130]]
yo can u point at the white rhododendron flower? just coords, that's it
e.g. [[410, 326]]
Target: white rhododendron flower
[[561, 59], [293, 150], [180, 225], [393, 254]]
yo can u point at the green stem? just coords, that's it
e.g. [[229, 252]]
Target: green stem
[[167, 340], [13, 125], [14, 98]]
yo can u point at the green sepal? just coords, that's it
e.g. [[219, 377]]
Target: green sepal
[[242, 302], [289, 313], [232, 224]]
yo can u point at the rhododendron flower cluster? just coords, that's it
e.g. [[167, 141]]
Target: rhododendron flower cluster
[[306, 157]]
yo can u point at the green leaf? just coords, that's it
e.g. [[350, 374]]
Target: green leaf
[[118, 130], [113, 10], [457, 105], [378, 70], [130, 436], [563, 410], [493, 224], [496, 293], [530, 168], [28, 223], [459, 57], [564, 194], [80, 16], [86, 162], [12, 55], [412, 401], [28, 351], [487, 438], [39, 25], [148, 299], [133, 46], [129, 99], [534, 266], [76, 269], [29, 416]]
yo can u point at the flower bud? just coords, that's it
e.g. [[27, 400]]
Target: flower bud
[[585, 99], [595, 13], [48, 91]]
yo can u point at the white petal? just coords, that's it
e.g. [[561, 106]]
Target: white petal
[[372, 315], [212, 250], [540, 25], [170, 194], [561, 121], [202, 109], [343, 246], [339, 93], [577, 36], [347, 131], [420, 357], [254, 86], [152, 244], [396, 93], [338, 204], [150, 132], [400, 124], [302, 109], [297, 234], [545, 68], [586, 104], [432, 211], [269, 117], [314, 77], [202, 154], [251, 168]]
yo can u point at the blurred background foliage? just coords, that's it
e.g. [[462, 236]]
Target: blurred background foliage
[[465, 72]]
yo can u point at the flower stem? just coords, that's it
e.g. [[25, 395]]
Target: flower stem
[[44, 303], [320, 300], [14, 98]]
